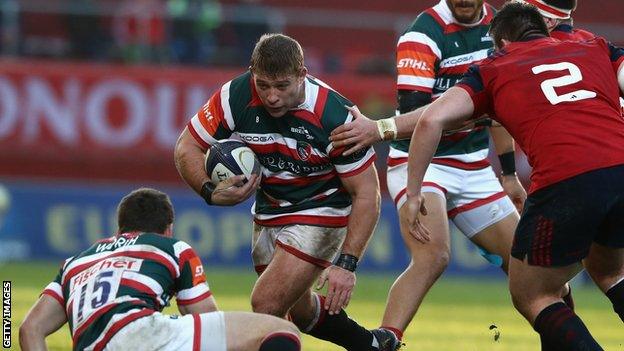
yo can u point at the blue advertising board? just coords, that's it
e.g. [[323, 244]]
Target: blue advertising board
[[51, 221]]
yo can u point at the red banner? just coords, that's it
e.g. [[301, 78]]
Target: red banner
[[76, 120]]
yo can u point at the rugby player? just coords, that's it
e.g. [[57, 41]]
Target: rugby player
[[315, 209], [112, 294], [575, 209]]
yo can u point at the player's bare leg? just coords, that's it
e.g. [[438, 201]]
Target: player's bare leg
[[428, 261], [606, 267], [285, 286], [252, 331], [283, 283], [498, 238], [536, 292]]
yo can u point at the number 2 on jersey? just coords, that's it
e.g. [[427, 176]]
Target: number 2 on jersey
[[548, 86]]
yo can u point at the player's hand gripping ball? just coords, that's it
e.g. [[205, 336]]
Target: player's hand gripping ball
[[228, 158]]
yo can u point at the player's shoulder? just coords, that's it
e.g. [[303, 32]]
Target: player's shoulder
[[238, 91], [329, 105], [428, 22]]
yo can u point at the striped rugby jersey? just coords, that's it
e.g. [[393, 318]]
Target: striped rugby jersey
[[432, 55], [121, 279], [301, 177]]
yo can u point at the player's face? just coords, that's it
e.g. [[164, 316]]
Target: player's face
[[280, 94], [466, 11]]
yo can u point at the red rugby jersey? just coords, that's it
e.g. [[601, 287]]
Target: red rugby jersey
[[558, 99], [567, 32]]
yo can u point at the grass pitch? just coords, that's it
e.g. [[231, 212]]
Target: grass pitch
[[456, 315]]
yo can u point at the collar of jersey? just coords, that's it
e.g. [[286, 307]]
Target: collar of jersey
[[447, 16]]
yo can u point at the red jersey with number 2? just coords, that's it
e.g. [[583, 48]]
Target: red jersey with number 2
[[558, 99]]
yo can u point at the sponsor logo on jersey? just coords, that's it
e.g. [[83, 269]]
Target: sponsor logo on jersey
[[123, 263], [302, 131], [486, 38], [198, 271], [256, 138], [445, 83], [413, 63], [280, 164], [304, 150]]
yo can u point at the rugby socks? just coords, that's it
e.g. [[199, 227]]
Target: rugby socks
[[280, 341], [341, 330], [569, 301], [616, 295], [560, 328], [397, 332]]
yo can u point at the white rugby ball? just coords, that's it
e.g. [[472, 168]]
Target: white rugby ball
[[228, 158]]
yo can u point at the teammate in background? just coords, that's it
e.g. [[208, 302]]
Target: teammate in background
[[557, 16], [575, 209], [112, 294], [460, 184], [313, 204]]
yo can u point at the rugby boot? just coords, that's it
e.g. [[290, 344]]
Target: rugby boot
[[386, 340]]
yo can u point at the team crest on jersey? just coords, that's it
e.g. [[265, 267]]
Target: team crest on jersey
[[304, 150]]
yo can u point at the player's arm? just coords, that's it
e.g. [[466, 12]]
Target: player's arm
[[204, 306], [505, 149], [43, 319], [417, 55], [363, 132], [364, 190], [450, 111], [189, 157]]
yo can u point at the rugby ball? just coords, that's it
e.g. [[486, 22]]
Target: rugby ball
[[228, 158]]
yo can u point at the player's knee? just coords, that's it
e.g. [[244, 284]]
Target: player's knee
[[436, 259], [267, 305], [288, 327]]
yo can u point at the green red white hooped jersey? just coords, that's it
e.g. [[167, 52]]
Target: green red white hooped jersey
[[301, 169], [432, 55], [121, 279]]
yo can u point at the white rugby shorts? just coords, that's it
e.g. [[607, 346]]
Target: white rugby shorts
[[317, 245], [157, 331], [474, 198]]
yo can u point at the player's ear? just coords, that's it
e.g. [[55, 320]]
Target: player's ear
[[169, 231], [304, 73]]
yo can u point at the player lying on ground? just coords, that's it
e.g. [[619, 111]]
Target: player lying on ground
[[112, 294], [573, 133]]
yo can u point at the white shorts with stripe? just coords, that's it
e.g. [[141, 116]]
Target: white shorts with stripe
[[157, 331], [314, 244], [474, 198]]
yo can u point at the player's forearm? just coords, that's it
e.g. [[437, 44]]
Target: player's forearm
[[503, 141], [407, 122], [362, 220], [423, 144], [189, 160]]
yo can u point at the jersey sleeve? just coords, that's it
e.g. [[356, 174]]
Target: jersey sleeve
[[55, 289], [334, 115], [417, 56], [472, 83], [214, 121], [191, 285]]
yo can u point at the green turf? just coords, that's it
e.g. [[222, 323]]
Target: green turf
[[456, 314]]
